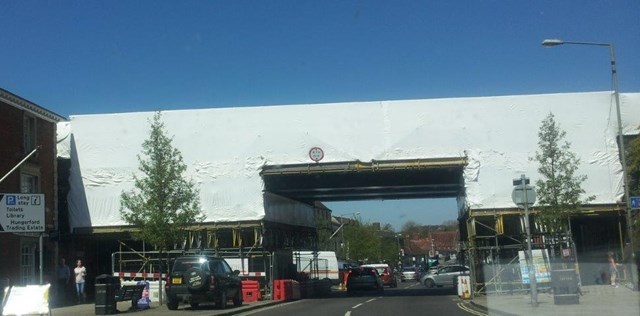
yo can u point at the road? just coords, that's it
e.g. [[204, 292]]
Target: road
[[410, 298]]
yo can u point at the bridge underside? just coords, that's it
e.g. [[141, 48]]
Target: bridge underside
[[355, 180]]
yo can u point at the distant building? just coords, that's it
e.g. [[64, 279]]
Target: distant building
[[440, 243], [24, 127]]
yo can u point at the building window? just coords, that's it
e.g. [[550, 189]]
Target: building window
[[27, 262], [29, 133], [29, 183]]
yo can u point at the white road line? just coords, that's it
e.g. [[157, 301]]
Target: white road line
[[357, 306], [348, 313], [371, 300]]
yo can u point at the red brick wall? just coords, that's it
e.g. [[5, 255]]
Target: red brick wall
[[11, 138], [11, 152]]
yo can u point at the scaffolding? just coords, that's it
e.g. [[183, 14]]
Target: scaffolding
[[495, 243]]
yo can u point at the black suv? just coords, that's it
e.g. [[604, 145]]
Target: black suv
[[202, 279]]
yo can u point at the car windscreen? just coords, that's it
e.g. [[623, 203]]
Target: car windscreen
[[184, 264], [380, 270]]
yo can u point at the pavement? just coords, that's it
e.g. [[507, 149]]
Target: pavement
[[595, 300], [155, 309]]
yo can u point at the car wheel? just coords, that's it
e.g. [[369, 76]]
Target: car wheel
[[429, 283], [172, 304], [237, 300], [196, 279], [221, 302]]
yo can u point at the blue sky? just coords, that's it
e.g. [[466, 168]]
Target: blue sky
[[83, 57]]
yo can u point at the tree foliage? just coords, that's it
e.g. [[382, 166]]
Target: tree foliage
[[560, 189], [633, 172], [633, 166], [163, 204], [414, 230], [368, 243]]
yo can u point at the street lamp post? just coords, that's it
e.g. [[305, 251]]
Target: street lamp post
[[341, 230], [399, 252], [621, 148]]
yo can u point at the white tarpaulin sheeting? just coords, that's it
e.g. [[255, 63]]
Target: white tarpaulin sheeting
[[225, 148]]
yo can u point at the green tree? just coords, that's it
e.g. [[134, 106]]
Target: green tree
[[367, 242], [450, 225], [414, 230], [163, 204], [633, 166], [633, 172], [560, 189]]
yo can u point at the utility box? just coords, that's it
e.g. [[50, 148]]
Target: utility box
[[106, 288], [565, 287]]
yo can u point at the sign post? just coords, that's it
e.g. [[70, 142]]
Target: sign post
[[525, 196], [23, 213]]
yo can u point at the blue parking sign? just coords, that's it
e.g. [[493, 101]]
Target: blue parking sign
[[635, 202], [11, 200]]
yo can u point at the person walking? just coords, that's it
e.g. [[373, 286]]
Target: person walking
[[613, 270], [64, 274], [80, 272]]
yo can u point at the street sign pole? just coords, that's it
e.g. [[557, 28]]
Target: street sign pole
[[532, 273], [40, 244], [525, 196]]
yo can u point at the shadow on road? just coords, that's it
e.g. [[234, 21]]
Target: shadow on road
[[421, 291], [394, 292]]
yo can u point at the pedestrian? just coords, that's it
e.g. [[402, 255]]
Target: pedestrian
[[80, 272], [64, 274], [613, 270]]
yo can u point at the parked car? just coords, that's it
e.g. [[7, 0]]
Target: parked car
[[387, 273], [445, 275], [364, 279], [408, 273], [202, 279]]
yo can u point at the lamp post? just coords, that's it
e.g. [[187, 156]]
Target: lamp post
[[621, 148], [399, 252], [341, 230]]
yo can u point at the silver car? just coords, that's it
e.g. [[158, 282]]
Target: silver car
[[408, 273], [446, 275]]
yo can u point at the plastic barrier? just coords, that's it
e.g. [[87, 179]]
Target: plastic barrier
[[251, 291], [154, 292], [464, 287], [295, 290], [565, 287], [282, 290], [144, 302]]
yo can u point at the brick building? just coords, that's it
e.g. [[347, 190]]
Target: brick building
[[24, 127]]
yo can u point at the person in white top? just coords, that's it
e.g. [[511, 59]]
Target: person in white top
[[80, 272]]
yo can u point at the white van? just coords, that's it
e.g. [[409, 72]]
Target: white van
[[324, 266]]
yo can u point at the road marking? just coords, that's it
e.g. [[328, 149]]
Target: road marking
[[470, 310], [357, 306], [348, 313], [371, 300]]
